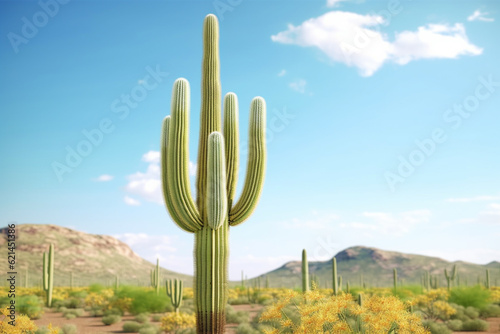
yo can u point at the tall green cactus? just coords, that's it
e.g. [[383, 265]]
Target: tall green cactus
[[487, 283], [174, 291], [450, 277], [155, 277], [215, 208], [335, 277], [305, 272], [48, 274], [395, 278]]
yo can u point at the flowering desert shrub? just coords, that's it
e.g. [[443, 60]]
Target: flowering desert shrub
[[320, 313]]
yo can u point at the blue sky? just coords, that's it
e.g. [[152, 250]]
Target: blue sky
[[382, 122]]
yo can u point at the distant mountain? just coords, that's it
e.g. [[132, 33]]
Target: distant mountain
[[92, 258], [374, 267]]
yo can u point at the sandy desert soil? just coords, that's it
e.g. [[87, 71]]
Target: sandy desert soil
[[93, 325]]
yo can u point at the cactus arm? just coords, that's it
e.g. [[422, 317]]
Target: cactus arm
[[216, 199], [231, 140], [166, 195], [256, 164], [210, 116], [178, 160]]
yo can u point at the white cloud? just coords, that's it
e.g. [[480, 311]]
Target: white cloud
[[152, 156], [394, 224], [354, 40], [433, 41], [104, 178], [317, 221], [478, 15], [282, 73], [148, 185], [333, 3], [473, 199], [131, 201], [491, 215], [298, 86]]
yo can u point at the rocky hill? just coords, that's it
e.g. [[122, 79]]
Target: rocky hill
[[374, 267], [92, 258]]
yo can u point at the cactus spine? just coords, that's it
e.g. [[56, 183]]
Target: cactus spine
[[335, 279], [305, 272], [48, 274], [215, 208], [174, 291], [450, 277], [395, 278]]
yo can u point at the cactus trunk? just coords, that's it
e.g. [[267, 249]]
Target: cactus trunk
[[305, 272], [335, 279], [48, 274]]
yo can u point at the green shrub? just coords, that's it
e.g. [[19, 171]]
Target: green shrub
[[455, 325], [143, 301], [149, 328], [236, 317], [156, 317], [114, 310], [142, 318], [471, 296], [186, 331], [70, 316], [471, 312], [69, 329], [131, 327], [111, 319], [96, 288], [42, 330], [475, 325], [490, 311], [437, 328], [246, 328], [77, 312], [32, 306]]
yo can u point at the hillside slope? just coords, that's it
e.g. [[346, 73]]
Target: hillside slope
[[374, 267], [92, 258]]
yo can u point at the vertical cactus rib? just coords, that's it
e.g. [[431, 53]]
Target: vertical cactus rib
[[178, 159], [231, 140], [210, 118], [164, 161], [216, 198], [254, 180]]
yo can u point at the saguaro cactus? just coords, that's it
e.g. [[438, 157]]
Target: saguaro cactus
[[395, 278], [487, 282], [305, 272], [335, 277], [174, 291], [450, 277], [215, 208], [48, 274], [155, 277]]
